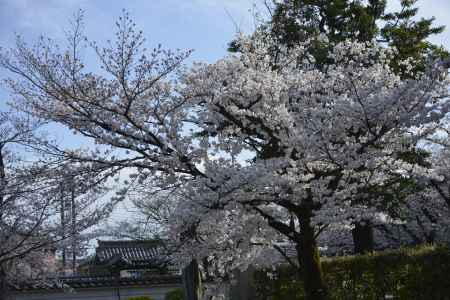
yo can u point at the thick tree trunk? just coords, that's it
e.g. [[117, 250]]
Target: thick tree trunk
[[310, 265], [363, 241]]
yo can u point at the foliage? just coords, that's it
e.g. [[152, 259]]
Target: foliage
[[32, 182], [298, 20], [176, 294], [406, 274], [78, 208], [29, 199], [441, 164], [293, 22]]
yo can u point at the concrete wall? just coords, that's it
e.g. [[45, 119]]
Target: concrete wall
[[156, 292]]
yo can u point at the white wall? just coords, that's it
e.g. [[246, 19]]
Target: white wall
[[156, 292]]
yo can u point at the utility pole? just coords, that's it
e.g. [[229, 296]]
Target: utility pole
[[63, 227], [74, 225]]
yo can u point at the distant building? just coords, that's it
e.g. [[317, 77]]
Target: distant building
[[118, 270], [129, 259]]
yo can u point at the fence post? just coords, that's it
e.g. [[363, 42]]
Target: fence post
[[243, 289], [192, 282]]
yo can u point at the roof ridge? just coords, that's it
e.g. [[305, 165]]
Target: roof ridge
[[131, 243]]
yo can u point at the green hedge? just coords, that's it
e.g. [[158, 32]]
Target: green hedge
[[405, 274], [176, 294], [140, 298]]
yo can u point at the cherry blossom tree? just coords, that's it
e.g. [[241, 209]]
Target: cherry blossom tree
[[321, 138], [439, 139], [82, 203], [30, 178], [294, 21], [254, 152], [22, 207]]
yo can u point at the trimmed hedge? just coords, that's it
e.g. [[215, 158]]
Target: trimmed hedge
[[176, 294], [421, 273]]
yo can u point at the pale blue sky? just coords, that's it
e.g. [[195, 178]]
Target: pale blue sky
[[204, 25]]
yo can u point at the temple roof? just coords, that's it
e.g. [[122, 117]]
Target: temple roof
[[149, 256], [132, 254]]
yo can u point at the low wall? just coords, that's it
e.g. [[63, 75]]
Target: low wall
[[104, 293]]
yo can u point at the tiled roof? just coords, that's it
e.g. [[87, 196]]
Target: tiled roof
[[135, 254], [79, 282]]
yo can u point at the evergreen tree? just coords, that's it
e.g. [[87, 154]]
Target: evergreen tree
[[294, 21]]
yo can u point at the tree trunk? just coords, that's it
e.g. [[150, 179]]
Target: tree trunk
[[363, 240], [310, 265], [3, 183], [192, 282], [3, 284]]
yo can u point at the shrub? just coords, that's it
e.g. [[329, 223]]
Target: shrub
[[405, 274], [176, 294]]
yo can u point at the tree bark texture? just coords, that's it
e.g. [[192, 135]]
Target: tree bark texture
[[310, 265]]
